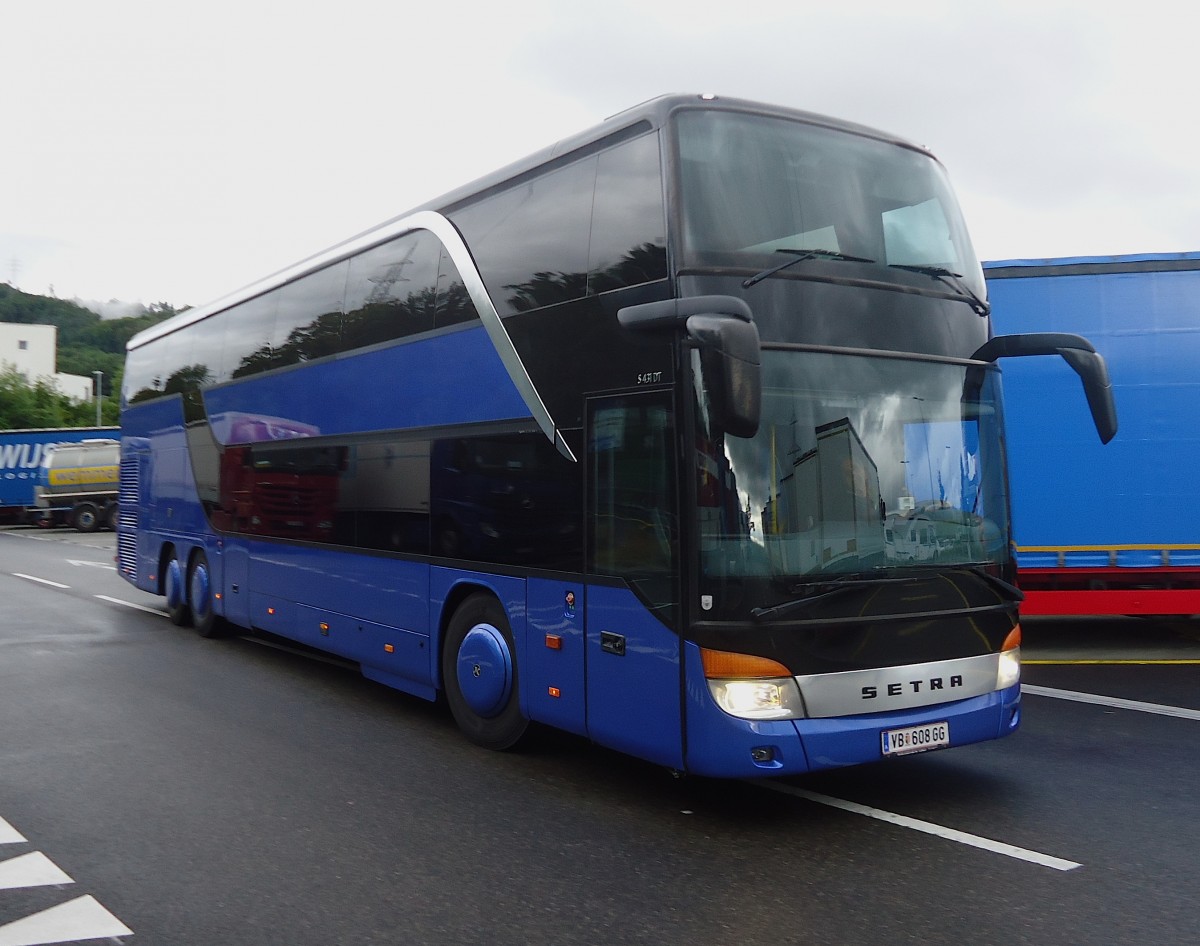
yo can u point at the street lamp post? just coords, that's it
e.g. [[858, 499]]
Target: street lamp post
[[99, 375]]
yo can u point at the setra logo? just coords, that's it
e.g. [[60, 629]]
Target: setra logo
[[898, 689]]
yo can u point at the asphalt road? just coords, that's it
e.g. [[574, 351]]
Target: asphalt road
[[158, 788]]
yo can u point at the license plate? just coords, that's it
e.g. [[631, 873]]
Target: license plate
[[915, 738]]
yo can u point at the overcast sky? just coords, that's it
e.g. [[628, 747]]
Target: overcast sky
[[169, 152]]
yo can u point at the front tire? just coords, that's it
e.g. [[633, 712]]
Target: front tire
[[479, 673]]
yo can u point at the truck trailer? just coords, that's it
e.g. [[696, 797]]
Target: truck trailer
[[22, 453], [1105, 529]]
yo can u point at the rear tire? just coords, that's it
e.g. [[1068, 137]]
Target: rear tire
[[200, 598], [176, 591], [479, 673], [85, 518]]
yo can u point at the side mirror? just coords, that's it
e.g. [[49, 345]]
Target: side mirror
[[723, 329], [1079, 354]]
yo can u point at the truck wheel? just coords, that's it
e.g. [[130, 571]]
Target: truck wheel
[[200, 598], [85, 518], [110, 516], [479, 672]]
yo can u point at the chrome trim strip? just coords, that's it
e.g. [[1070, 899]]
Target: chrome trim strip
[[894, 688], [452, 240]]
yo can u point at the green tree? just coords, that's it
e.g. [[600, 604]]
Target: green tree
[[40, 404]]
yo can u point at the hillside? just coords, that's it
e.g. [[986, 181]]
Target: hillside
[[86, 342]]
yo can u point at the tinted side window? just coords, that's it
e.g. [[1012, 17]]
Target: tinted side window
[[453, 303], [308, 324], [250, 342], [508, 499], [531, 241], [148, 367], [198, 358], [391, 291], [629, 231]]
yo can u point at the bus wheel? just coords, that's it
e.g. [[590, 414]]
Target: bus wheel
[[479, 672], [200, 598], [86, 518], [177, 606]]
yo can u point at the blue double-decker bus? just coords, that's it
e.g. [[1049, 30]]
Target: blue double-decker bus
[[683, 435]]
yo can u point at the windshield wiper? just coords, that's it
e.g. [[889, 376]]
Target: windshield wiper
[[951, 279], [800, 257], [822, 590]]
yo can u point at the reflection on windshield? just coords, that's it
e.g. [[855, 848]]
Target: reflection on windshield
[[753, 186], [861, 464]]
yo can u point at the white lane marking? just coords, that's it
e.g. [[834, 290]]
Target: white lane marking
[[926, 827], [31, 870], [77, 561], [43, 581], [1160, 709], [81, 918], [9, 834], [130, 604]]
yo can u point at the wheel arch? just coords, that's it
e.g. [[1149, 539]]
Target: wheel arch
[[167, 552], [455, 597]]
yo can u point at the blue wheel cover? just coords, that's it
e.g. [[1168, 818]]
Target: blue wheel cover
[[199, 591], [485, 670], [174, 584]]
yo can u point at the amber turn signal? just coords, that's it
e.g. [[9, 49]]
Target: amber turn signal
[[721, 664]]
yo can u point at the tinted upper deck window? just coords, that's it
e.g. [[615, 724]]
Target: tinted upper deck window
[[531, 241], [251, 344], [454, 304], [391, 291], [308, 323], [629, 229]]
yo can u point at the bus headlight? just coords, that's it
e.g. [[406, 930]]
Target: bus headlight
[[1008, 670], [758, 699], [751, 687]]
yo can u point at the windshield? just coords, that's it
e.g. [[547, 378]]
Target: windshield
[[862, 466], [753, 186]]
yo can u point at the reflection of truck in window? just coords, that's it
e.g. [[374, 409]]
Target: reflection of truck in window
[[826, 508], [77, 483], [284, 491]]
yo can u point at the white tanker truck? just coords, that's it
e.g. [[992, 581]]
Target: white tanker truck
[[77, 484]]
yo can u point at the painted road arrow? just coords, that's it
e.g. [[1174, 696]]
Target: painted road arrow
[[78, 919]]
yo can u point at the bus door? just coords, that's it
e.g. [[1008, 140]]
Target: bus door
[[633, 650]]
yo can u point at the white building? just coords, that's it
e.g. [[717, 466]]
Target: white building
[[33, 351]]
